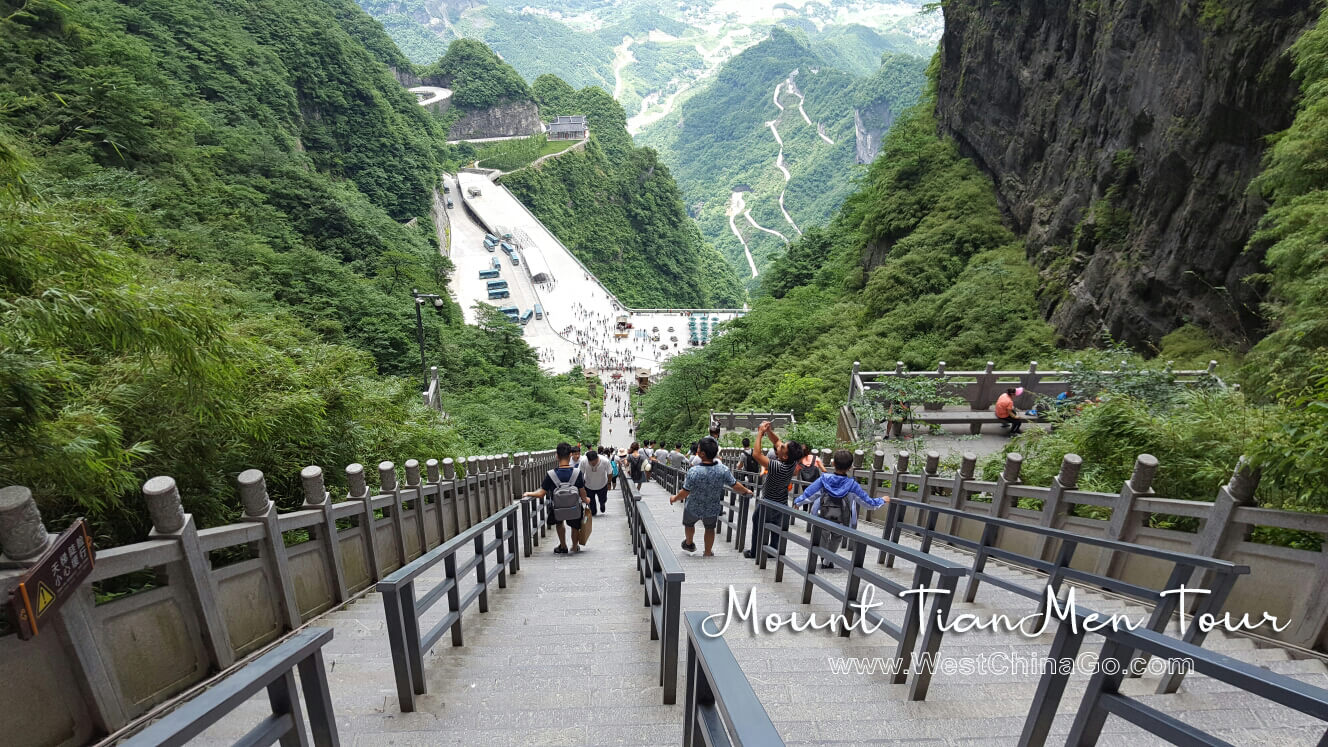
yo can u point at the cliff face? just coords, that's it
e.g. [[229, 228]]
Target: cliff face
[[504, 120], [1122, 136]]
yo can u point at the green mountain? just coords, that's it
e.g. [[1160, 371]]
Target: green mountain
[[719, 143], [617, 208], [211, 218]]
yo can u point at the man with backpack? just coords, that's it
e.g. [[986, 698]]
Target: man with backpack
[[636, 465], [747, 462], [703, 492], [566, 490], [836, 498]]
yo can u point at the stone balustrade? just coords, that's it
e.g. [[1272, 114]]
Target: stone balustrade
[[214, 595], [1283, 581]]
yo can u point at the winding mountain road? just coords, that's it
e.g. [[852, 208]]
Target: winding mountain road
[[779, 160], [737, 205], [622, 57]]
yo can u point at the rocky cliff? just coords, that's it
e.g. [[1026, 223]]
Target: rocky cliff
[[504, 120], [1122, 136]]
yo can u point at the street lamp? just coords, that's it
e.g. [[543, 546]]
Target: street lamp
[[420, 300]]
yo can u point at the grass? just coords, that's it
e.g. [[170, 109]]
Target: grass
[[510, 155]]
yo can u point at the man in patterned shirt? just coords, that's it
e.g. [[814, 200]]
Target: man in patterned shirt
[[703, 490]]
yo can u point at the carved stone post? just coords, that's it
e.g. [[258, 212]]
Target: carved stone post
[[169, 521], [434, 478], [316, 498], [1055, 508], [258, 508], [22, 534], [388, 485], [415, 487], [1122, 525], [449, 474], [359, 491]]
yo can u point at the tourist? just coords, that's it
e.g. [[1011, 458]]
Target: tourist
[[703, 493], [747, 462], [693, 458], [636, 465], [780, 471], [835, 497], [566, 473], [1005, 411], [596, 473]]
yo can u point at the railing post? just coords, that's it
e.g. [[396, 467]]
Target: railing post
[[668, 673], [1000, 497], [983, 398], [1050, 688], [359, 491], [924, 492], [258, 508], [853, 380], [931, 639], [894, 513], [169, 521], [387, 480], [23, 538], [316, 497], [1054, 508], [434, 477], [413, 483], [1122, 525], [449, 474]]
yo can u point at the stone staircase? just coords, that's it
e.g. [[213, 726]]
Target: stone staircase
[[564, 657], [791, 674]]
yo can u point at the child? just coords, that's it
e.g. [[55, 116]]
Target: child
[[703, 490], [837, 498]]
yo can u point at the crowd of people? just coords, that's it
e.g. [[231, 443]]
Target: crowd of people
[[834, 494]]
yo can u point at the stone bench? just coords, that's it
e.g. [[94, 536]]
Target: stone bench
[[974, 419]]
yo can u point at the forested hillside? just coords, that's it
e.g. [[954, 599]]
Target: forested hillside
[[719, 142], [617, 208], [915, 267], [211, 216], [919, 266]]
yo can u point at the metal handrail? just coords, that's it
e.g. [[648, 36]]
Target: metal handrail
[[946, 573], [1102, 696], [662, 576], [1183, 567], [720, 706], [275, 672], [403, 609]]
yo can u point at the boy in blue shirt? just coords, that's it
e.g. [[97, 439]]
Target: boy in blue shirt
[[836, 498]]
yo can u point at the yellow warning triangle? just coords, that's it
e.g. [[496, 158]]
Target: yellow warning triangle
[[44, 597]]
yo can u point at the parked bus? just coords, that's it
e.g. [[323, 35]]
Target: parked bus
[[539, 311], [486, 274], [516, 260], [497, 284], [525, 318], [490, 237], [497, 265], [501, 293], [511, 311]]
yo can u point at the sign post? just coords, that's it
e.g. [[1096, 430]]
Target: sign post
[[51, 580]]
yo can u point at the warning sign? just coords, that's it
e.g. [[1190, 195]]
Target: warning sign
[[44, 598], [51, 580]]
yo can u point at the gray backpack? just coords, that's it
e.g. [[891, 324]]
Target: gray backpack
[[566, 498]]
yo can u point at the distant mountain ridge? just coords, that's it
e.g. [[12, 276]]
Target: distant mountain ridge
[[721, 139]]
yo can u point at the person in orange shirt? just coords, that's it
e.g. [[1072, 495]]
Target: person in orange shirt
[[1006, 412]]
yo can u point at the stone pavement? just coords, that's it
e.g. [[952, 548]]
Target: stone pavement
[[564, 657]]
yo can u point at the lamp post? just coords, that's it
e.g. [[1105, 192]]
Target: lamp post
[[420, 299]]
